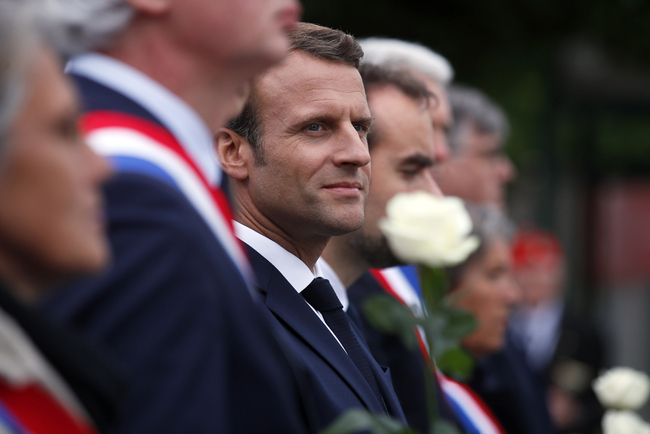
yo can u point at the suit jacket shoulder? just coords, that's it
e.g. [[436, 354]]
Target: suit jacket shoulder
[[336, 385]]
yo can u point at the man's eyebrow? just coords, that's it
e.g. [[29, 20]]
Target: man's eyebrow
[[418, 159], [367, 120]]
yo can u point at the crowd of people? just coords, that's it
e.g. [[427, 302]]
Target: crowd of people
[[189, 229]]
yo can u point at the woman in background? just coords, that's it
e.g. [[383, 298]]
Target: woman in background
[[485, 286], [51, 229]]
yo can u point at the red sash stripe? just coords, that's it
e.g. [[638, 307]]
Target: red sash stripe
[[106, 118], [37, 411]]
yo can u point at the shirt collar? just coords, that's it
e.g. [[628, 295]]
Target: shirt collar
[[290, 266], [181, 120], [339, 288]]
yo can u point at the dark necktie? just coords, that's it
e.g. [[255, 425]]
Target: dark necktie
[[322, 297]]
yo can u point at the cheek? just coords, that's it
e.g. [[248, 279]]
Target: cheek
[[39, 202]]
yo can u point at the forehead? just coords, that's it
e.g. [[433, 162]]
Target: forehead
[[439, 109], [303, 86], [403, 124]]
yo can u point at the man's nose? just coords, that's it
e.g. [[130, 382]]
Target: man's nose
[[353, 150]]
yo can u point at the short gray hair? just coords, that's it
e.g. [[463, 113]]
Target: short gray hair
[[488, 223], [17, 46], [471, 105], [75, 26], [397, 54]]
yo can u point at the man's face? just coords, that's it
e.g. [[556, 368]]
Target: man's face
[[314, 118], [235, 33], [51, 219], [401, 161], [480, 171], [440, 112]]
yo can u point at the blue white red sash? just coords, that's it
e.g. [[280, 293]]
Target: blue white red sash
[[136, 145], [468, 408], [396, 283], [29, 409]]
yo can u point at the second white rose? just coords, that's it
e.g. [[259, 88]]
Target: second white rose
[[425, 229], [624, 422], [622, 388]]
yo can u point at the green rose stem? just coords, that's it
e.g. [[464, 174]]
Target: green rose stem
[[432, 282]]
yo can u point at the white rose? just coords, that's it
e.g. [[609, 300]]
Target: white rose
[[425, 229], [624, 422], [622, 388]]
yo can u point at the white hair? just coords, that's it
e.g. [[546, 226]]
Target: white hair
[[74, 26], [394, 53], [17, 47]]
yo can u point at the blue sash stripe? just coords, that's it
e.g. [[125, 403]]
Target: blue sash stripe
[[9, 422], [463, 419], [411, 274], [127, 164]]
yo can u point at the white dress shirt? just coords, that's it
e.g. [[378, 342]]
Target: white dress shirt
[[177, 116], [539, 330], [290, 266]]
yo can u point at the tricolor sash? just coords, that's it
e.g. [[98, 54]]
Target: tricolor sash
[[468, 408], [30, 409], [397, 284], [471, 412], [137, 145]]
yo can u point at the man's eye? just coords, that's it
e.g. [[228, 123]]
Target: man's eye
[[314, 127], [360, 127], [410, 171]]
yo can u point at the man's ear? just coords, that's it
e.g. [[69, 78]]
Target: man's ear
[[234, 153], [151, 7]]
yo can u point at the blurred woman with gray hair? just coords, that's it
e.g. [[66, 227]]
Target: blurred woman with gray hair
[[485, 286], [51, 229]]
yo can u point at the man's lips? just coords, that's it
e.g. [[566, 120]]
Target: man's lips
[[351, 189]]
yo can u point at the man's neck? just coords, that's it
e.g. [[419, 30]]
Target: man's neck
[[207, 87], [347, 266], [306, 248]]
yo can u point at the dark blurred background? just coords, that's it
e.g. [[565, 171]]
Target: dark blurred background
[[574, 79]]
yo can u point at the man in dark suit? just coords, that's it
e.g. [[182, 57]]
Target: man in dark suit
[[175, 308], [298, 161]]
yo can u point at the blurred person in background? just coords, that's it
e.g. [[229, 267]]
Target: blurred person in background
[[427, 66], [483, 285], [478, 170], [564, 350], [478, 173], [175, 307], [51, 229]]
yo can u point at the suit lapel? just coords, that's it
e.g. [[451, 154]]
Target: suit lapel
[[296, 315]]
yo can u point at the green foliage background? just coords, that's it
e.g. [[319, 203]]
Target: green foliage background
[[509, 48]]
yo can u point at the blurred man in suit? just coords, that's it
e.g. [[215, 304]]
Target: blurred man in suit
[[565, 350], [299, 166], [477, 171], [175, 306]]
